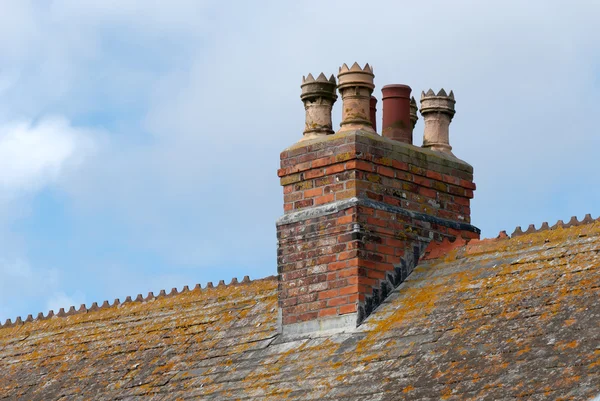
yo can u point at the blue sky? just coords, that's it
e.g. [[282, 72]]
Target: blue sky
[[139, 140]]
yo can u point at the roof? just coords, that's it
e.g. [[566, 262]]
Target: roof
[[490, 320]]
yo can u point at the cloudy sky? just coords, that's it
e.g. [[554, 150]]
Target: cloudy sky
[[139, 140]]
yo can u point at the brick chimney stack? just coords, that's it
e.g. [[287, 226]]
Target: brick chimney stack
[[359, 209]]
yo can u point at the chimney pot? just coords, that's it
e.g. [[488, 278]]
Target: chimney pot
[[356, 86], [413, 112], [437, 111], [397, 122], [373, 113], [318, 96]]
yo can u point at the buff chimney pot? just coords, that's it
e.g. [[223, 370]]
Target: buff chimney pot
[[437, 111], [318, 96], [356, 86]]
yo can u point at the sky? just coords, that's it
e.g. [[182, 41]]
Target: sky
[[140, 140]]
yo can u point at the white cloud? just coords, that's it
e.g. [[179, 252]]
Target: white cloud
[[32, 156]]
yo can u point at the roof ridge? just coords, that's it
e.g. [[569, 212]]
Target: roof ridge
[[139, 298], [435, 249], [573, 222]]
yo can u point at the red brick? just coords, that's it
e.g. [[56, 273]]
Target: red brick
[[457, 190], [337, 301], [314, 174], [352, 298], [324, 161], [347, 255], [307, 316], [352, 271], [306, 298], [352, 289], [297, 151], [303, 203], [363, 165], [319, 182], [342, 282], [385, 249], [400, 165], [347, 309], [345, 194], [289, 302], [294, 196], [451, 179], [376, 222], [336, 168], [467, 184], [385, 171], [316, 305], [337, 265], [375, 274], [462, 201], [434, 174], [287, 319], [327, 312], [329, 294], [345, 219], [321, 260], [333, 188], [309, 193], [422, 181], [324, 199], [428, 192]]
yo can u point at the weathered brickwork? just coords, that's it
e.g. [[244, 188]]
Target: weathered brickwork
[[388, 200], [360, 164]]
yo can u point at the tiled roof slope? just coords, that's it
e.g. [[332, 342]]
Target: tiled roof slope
[[492, 320]]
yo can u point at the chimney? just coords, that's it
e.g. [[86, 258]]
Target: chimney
[[437, 111], [397, 124], [359, 210]]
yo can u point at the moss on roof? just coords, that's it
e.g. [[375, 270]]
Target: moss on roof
[[495, 319]]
